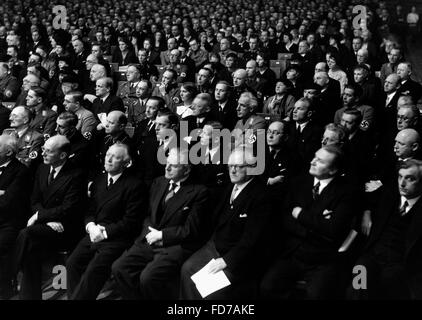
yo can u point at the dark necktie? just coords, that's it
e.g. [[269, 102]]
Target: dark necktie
[[51, 176], [273, 153], [110, 182], [171, 192], [403, 208], [299, 129], [2, 169], [315, 191]]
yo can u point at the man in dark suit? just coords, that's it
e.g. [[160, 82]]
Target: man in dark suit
[[114, 132], [201, 112], [304, 134], [371, 86], [79, 58], [280, 161], [329, 98], [14, 206], [56, 222], [239, 222], [79, 146], [392, 255], [408, 86], [149, 150], [116, 210], [317, 217], [105, 101], [171, 233], [358, 148], [225, 107], [387, 113], [213, 151]]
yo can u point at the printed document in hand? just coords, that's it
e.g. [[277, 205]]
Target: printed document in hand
[[208, 283]]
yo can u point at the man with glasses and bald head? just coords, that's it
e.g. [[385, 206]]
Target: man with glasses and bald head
[[238, 227]]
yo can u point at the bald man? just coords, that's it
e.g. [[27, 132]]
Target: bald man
[[281, 161], [330, 100], [408, 86], [115, 125], [235, 247], [29, 140], [259, 84], [407, 144], [117, 207], [388, 112], [239, 84], [57, 203], [97, 71]]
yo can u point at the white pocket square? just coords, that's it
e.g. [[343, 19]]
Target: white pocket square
[[186, 208], [243, 215]]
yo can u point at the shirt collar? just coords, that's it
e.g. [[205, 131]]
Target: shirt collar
[[57, 169], [242, 186], [302, 125], [115, 177], [105, 98], [178, 184], [322, 183], [411, 202]]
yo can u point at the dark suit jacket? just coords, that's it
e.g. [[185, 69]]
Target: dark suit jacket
[[359, 151], [110, 104], [228, 117], [192, 121], [387, 206], [413, 88], [4, 117], [319, 238], [130, 57], [306, 143], [61, 201], [120, 208], [330, 102], [184, 214], [240, 231], [14, 204]]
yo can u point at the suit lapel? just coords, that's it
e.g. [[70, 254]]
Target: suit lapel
[[107, 195], [241, 199], [415, 229], [178, 200], [57, 183], [158, 195]]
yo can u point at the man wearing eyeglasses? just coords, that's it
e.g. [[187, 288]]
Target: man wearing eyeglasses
[[238, 226]]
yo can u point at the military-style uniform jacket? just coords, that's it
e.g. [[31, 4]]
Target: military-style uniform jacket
[[29, 146], [44, 122]]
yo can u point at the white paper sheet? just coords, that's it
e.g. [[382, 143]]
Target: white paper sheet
[[208, 283]]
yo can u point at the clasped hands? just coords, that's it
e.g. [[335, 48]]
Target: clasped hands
[[96, 233], [154, 237]]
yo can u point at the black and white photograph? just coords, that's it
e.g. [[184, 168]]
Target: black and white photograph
[[206, 157]]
